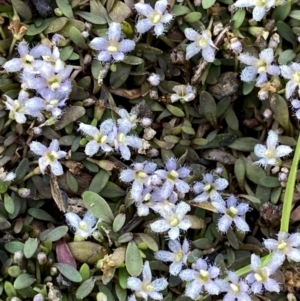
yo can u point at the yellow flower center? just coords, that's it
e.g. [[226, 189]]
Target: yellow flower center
[[207, 188], [281, 245], [296, 77], [232, 211], [83, 226], [28, 60], [174, 221], [204, 275], [261, 2], [173, 175], [54, 83], [140, 175], [235, 287], [201, 42], [269, 154], [147, 287], [155, 17], [121, 138], [51, 156], [261, 275], [113, 47], [100, 139], [178, 256], [53, 102], [261, 66]]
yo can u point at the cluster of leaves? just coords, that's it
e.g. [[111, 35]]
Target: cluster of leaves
[[180, 92]]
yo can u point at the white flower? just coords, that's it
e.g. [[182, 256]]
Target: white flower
[[296, 105], [173, 220], [201, 276], [209, 189], [201, 42], [101, 138], [270, 154], [258, 66], [173, 176], [127, 122], [147, 287], [231, 212], [285, 246], [154, 79], [83, 227], [112, 47], [6, 176], [260, 277], [49, 156], [183, 93], [260, 7], [156, 17], [178, 256], [291, 72], [236, 289]]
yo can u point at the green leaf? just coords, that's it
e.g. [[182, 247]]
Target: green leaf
[[54, 234], [271, 182], [85, 272], [120, 76], [77, 38], [68, 271], [66, 8], [295, 14], [133, 260], [112, 190], [132, 60], [240, 172], [94, 19], [179, 10], [248, 87], [250, 198], [233, 240], [30, 247], [145, 48], [175, 110], [119, 12], [35, 30], [208, 108], [286, 32], [41, 215], [238, 18], [99, 181], [70, 115], [23, 281], [22, 9], [56, 25], [85, 288], [14, 246], [281, 113], [245, 144], [286, 56], [72, 182], [253, 172], [9, 204], [22, 169], [98, 206], [208, 3], [231, 119], [192, 17], [281, 12]]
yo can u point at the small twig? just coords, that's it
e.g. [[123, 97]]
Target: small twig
[[203, 63]]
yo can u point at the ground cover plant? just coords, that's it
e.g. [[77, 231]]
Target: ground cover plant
[[149, 150]]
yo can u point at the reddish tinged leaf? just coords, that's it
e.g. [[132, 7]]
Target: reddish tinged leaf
[[63, 253]]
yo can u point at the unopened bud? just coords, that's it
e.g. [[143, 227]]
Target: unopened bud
[[24, 192], [18, 257], [101, 297], [113, 67], [153, 152], [146, 121], [53, 271], [197, 2], [59, 40], [38, 297], [267, 113], [88, 26], [15, 299], [219, 170], [291, 297], [37, 131], [85, 34], [282, 177], [87, 59], [58, 12], [153, 94], [88, 102], [42, 258]]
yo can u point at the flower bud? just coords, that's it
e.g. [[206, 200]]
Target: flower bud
[[53, 271], [153, 152], [85, 34], [291, 297], [146, 121], [88, 102], [267, 113], [87, 59], [15, 299], [154, 79], [101, 297], [113, 68], [37, 131], [24, 192], [58, 12], [38, 297], [153, 94], [42, 258], [18, 257]]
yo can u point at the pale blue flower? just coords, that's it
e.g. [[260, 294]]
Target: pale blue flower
[[258, 68], [156, 17], [200, 277], [127, 122], [83, 227], [260, 278], [231, 212], [201, 42], [147, 288], [112, 48], [285, 246], [236, 289], [101, 137], [291, 72], [296, 105], [173, 220], [178, 255], [172, 177], [183, 93], [49, 156], [209, 189], [6, 176], [27, 60], [139, 174]]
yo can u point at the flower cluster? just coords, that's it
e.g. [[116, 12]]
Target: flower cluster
[[112, 135], [46, 76]]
